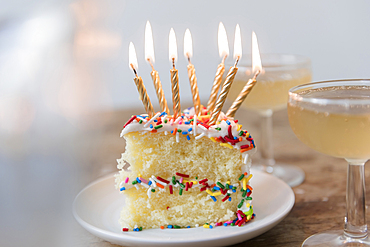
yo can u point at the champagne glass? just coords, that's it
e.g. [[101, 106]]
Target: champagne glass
[[280, 73], [333, 117]]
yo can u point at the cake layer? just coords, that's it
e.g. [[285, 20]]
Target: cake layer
[[156, 153], [162, 209]]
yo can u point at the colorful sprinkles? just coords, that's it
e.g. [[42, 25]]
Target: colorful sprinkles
[[214, 190], [226, 132]]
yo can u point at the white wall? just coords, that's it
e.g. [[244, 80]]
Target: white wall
[[90, 47]]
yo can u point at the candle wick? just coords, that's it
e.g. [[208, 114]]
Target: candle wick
[[133, 68], [256, 74], [150, 62], [237, 60], [173, 63], [189, 59], [224, 58]]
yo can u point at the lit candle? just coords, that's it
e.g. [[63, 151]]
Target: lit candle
[[149, 56], [188, 52], [256, 68], [139, 82], [229, 78], [223, 50], [174, 75]]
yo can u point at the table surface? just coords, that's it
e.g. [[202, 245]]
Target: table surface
[[94, 145]]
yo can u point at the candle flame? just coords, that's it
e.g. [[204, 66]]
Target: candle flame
[[149, 45], [256, 58], [132, 56], [237, 43], [172, 45], [223, 44], [188, 44]]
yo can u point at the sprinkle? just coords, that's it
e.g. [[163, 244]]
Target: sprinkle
[[177, 137], [188, 227], [145, 185], [137, 187], [229, 199], [245, 183], [221, 139], [203, 188], [213, 139], [181, 180], [160, 185], [170, 226], [225, 224], [182, 175], [217, 193], [209, 192], [143, 180], [184, 132], [229, 131], [188, 137], [210, 226], [191, 184], [203, 181], [206, 226], [151, 126], [244, 193], [180, 192], [163, 180], [125, 229], [216, 188], [150, 183], [195, 125], [138, 180], [248, 198], [249, 177], [171, 189], [239, 217], [123, 188], [134, 182], [234, 190], [129, 121], [225, 198], [177, 227], [244, 146], [228, 122], [153, 190], [221, 185], [190, 129], [173, 132], [241, 203], [241, 177], [162, 227], [186, 186], [178, 130], [200, 136], [177, 120], [218, 128], [182, 185], [158, 126], [226, 145]]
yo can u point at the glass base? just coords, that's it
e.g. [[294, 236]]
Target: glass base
[[334, 238], [292, 175]]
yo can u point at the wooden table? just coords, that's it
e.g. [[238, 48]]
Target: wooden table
[[320, 199]]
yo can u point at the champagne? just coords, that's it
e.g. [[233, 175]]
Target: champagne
[[270, 91], [337, 129]]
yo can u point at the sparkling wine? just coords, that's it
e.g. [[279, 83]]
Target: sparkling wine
[[340, 130]]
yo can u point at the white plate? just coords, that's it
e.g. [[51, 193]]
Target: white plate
[[97, 208]]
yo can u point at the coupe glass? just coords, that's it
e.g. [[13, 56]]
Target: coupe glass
[[333, 117], [280, 73]]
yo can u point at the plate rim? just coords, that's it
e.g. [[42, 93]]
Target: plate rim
[[124, 237]]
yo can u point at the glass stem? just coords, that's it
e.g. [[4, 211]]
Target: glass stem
[[266, 146], [355, 221]]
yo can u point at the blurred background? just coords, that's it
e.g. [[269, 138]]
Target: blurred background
[[64, 72]]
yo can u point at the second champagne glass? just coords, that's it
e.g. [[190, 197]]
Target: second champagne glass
[[280, 73]]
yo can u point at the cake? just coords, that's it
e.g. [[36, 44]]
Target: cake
[[182, 172]]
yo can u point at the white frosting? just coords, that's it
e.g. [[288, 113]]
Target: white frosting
[[198, 130]]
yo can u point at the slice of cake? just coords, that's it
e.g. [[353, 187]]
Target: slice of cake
[[184, 173]]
